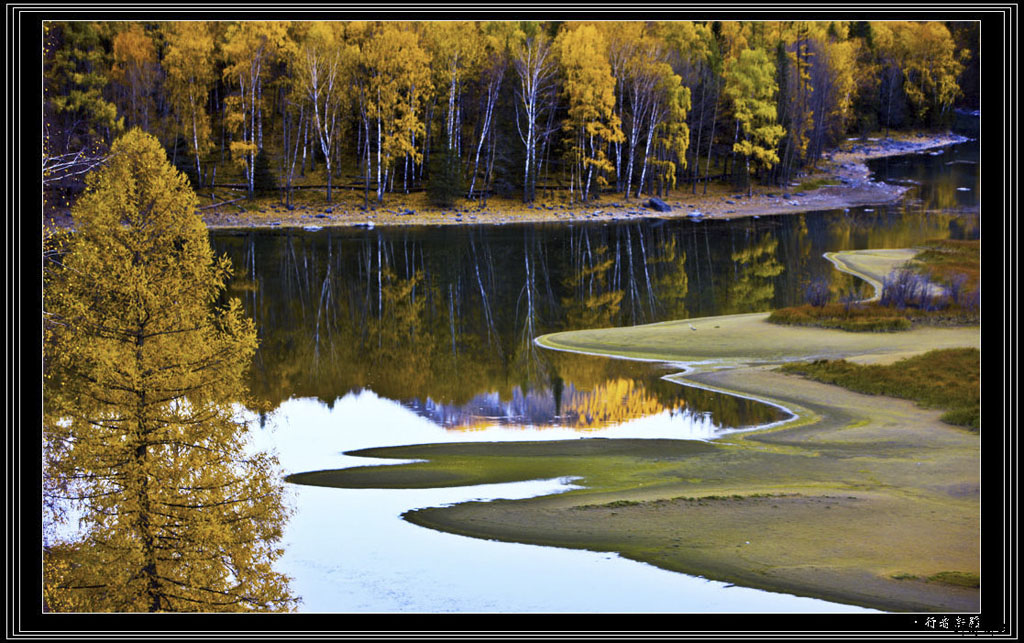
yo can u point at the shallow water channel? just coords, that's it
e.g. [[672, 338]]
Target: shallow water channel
[[388, 337]]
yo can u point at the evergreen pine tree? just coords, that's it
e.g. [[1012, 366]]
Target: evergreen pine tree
[[445, 183], [264, 181]]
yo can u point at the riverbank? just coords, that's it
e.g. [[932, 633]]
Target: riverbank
[[845, 167], [859, 499], [842, 180]]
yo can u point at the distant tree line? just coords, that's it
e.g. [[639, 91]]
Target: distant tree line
[[475, 108]]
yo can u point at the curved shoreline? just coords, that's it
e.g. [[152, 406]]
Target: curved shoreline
[[814, 423], [888, 259], [858, 499], [847, 167]]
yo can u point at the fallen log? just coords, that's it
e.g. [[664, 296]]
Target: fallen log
[[214, 205]]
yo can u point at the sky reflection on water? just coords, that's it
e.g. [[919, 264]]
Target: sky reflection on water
[[348, 550]]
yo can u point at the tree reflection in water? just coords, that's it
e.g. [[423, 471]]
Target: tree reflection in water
[[443, 318]]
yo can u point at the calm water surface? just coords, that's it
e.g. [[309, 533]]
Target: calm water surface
[[397, 336]]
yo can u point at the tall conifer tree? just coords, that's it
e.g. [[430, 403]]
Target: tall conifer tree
[[141, 432]]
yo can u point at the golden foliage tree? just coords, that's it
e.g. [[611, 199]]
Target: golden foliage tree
[[399, 83], [751, 86], [190, 75], [134, 73], [534, 65], [456, 48], [623, 40], [249, 49], [142, 437], [931, 66], [324, 67], [667, 129], [590, 89]]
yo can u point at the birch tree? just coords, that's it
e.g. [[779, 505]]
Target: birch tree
[[324, 68], [592, 122], [623, 39], [134, 73], [397, 85], [750, 85], [535, 68], [456, 50], [249, 48], [499, 38], [190, 76], [668, 134], [693, 45], [644, 70]]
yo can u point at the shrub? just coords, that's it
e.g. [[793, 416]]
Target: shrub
[[880, 324], [865, 318], [969, 416], [956, 288], [903, 288], [850, 298], [906, 288], [972, 300], [817, 293]]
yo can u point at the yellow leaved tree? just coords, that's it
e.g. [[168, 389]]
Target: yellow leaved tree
[[398, 73], [751, 86], [249, 50], [190, 75], [134, 73], [931, 66], [143, 441], [324, 65], [592, 122]]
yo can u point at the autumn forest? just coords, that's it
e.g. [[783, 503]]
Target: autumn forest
[[564, 259], [473, 109]]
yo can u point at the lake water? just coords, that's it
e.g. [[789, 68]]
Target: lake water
[[416, 335]]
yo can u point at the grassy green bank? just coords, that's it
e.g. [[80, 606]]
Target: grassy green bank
[[860, 499]]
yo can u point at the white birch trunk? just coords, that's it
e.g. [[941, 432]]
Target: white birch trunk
[[195, 138], [380, 186], [647, 152]]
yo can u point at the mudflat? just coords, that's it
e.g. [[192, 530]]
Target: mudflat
[[858, 499]]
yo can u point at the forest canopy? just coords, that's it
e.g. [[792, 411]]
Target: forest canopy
[[504, 107]]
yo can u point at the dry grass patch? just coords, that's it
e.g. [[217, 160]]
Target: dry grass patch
[[946, 379]]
